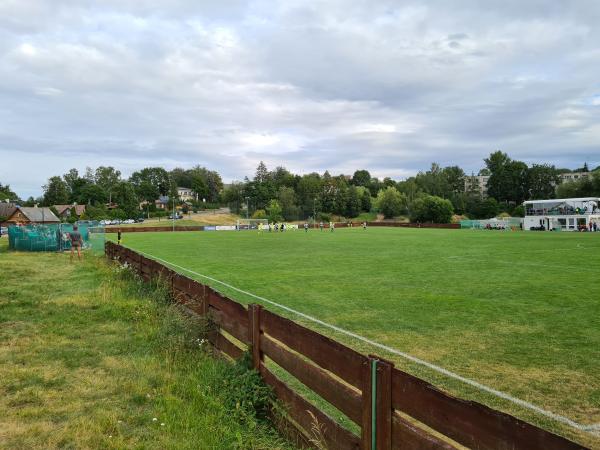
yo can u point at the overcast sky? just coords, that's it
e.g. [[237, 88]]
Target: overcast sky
[[388, 86]]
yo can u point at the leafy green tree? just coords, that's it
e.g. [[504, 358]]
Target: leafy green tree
[[182, 177], [56, 192], [388, 182], [90, 194], [584, 187], [361, 178], [488, 208], [107, 177], [199, 187], [125, 196], [71, 178], [233, 196], [519, 211], [353, 204], [433, 209], [274, 211], [157, 177], [341, 196], [390, 202], [98, 212], [146, 191], [508, 178], [287, 200], [329, 188], [433, 181], [365, 200], [7, 194], [375, 186], [261, 189], [281, 177], [455, 180], [410, 189], [542, 180], [212, 180], [309, 194]]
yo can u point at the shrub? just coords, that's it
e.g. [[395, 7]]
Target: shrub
[[390, 202], [432, 209], [519, 211], [259, 214]]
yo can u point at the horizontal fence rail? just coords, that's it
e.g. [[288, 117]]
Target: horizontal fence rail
[[392, 409]]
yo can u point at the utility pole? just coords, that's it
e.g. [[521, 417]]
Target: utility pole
[[315, 212], [247, 207]]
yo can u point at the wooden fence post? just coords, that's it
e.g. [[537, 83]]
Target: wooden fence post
[[367, 411], [204, 304], [377, 379], [254, 334], [384, 405]]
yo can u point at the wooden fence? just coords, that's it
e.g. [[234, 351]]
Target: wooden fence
[[406, 413]]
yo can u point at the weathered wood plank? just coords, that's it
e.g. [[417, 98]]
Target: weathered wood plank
[[336, 392], [469, 423], [237, 329], [407, 436], [327, 353], [299, 409], [226, 346]]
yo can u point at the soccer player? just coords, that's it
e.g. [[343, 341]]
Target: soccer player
[[331, 226], [365, 225], [321, 225], [306, 227], [76, 242]]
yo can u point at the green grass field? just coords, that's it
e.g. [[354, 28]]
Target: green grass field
[[91, 359], [516, 311]]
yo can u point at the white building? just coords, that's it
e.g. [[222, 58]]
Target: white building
[[477, 183], [186, 194], [568, 214], [573, 176]]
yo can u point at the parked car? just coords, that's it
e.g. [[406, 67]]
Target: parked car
[[139, 220], [175, 216]]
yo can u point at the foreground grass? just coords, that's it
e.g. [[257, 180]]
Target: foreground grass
[[90, 359], [519, 312]]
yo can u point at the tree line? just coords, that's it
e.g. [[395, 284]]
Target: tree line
[[434, 195]]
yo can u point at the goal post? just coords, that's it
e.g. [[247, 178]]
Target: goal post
[[251, 224]]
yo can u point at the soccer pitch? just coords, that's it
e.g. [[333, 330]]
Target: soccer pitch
[[516, 311]]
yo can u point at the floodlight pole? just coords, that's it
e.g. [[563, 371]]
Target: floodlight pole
[[173, 212], [315, 212], [247, 207]]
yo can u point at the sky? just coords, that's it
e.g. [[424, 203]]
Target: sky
[[389, 86]]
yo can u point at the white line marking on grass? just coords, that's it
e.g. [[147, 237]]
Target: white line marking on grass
[[557, 417]]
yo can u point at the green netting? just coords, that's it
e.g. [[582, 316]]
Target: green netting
[[506, 223], [470, 224], [54, 237]]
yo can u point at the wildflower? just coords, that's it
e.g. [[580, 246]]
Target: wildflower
[[154, 419], [162, 424]]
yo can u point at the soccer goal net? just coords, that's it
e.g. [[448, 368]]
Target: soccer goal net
[[251, 224]]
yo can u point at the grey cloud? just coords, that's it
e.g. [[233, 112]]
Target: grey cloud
[[333, 85]]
